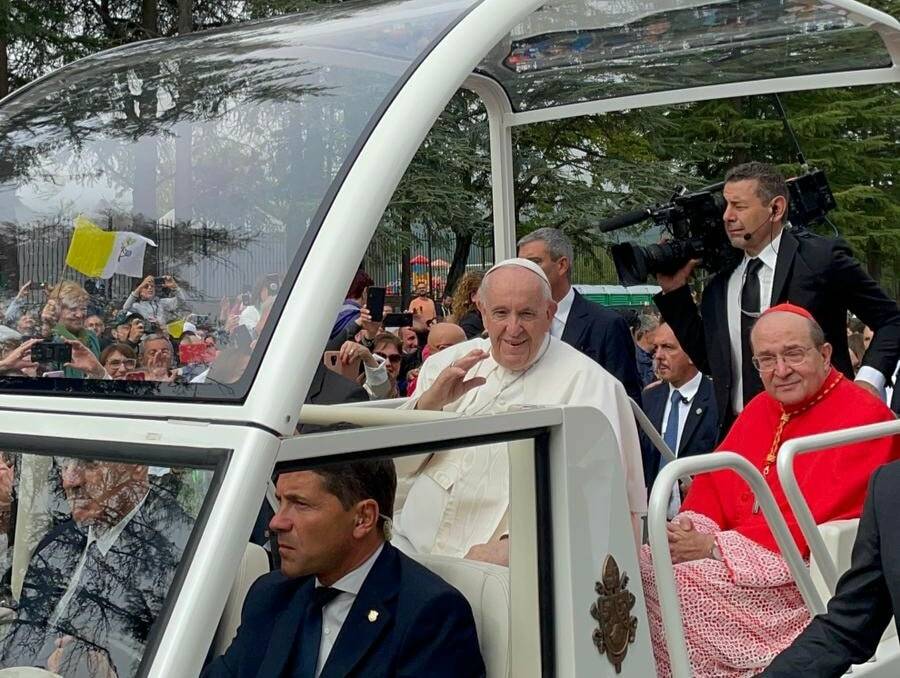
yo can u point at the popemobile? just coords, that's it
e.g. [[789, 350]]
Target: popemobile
[[271, 150]]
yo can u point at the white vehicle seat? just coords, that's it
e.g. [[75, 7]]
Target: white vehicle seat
[[486, 587], [254, 564], [839, 536]]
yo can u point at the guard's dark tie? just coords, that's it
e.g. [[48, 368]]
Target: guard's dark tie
[[671, 435], [750, 303], [309, 638]]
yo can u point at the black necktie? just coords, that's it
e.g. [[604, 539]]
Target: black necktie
[[310, 636], [750, 303]]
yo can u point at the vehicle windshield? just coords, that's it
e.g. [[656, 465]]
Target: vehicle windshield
[[89, 551], [155, 200]]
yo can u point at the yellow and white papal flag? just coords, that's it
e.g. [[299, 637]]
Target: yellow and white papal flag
[[98, 254]]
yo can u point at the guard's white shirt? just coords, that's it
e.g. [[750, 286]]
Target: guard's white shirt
[[105, 540], [688, 391], [334, 614], [766, 274], [561, 317], [460, 498]]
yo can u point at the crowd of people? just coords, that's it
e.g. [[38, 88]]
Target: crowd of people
[[767, 355], [152, 335]]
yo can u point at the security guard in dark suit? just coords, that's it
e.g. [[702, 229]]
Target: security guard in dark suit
[[681, 406]]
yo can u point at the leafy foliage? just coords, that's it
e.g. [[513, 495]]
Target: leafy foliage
[[568, 173]]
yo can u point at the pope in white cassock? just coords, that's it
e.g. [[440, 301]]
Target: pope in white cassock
[[457, 502]]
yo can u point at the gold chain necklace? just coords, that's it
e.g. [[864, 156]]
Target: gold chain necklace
[[787, 416], [772, 456]]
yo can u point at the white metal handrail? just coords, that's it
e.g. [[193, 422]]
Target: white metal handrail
[[327, 415], [643, 421], [670, 608], [816, 443]]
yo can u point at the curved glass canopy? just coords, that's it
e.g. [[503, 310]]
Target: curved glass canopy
[[171, 187], [573, 51]]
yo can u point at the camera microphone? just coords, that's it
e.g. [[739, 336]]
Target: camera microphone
[[623, 220], [749, 236]]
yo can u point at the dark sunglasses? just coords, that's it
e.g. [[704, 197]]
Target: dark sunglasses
[[392, 358]]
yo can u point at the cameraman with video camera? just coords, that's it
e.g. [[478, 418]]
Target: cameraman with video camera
[[778, 265]]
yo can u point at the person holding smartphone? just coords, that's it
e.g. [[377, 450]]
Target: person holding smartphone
[[144, 300], [379, 366], [354, 301]]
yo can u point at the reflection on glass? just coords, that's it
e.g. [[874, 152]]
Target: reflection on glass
[[169, 184], [573, 51], [90, 553]]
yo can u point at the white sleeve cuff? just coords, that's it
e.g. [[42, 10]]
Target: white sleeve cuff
[[874, 377], [375, 376]]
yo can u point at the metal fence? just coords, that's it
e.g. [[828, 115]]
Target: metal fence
[[193, 255], [209, 270]]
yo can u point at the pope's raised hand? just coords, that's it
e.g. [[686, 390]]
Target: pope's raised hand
[[451, 384]]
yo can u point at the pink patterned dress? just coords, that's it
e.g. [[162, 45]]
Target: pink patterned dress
[[741, 612], [737, 614]]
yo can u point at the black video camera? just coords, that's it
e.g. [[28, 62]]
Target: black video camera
[[695, 223]]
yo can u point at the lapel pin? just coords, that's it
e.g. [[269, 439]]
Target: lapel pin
[[699, 411], [373, 615]]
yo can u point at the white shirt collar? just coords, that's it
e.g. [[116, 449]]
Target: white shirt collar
[[688, 390], [564, 305], [769, 254], [105, 540], [352, 581]]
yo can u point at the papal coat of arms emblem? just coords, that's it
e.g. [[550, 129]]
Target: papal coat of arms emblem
[[616, 626]]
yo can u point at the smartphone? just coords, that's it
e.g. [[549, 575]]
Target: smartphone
[[242, 337], [192, 354], [375, 303], [136, 376], [51, 352], [332, 360], [398, 320], [159, 280]]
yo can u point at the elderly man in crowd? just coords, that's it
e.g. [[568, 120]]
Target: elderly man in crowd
[[444, 335], [519, 364], [739, 603], [441, 336], [682, 407], [96, 583], [156, 357]]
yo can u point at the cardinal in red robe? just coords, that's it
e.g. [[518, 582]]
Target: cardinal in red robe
[[739, 603]]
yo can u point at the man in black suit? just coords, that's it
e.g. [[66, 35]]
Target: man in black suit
[[346, 602], [773, 265], [867, 595], [97, 582], [596, 331], [681, 406]]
